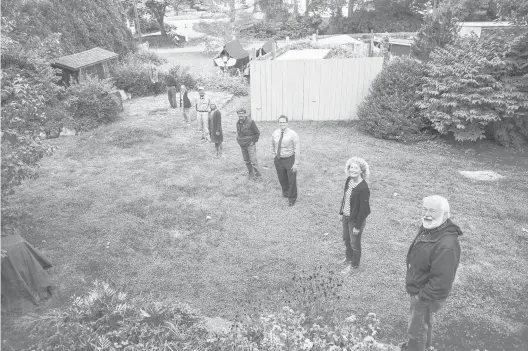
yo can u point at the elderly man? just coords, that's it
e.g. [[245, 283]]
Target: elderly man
[[286, 153], [432, 262], [185, 102], [203, 108], [247, 136]]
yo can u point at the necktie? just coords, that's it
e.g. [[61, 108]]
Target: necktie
[[280, 142]]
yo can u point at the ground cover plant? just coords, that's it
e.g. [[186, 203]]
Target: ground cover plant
[[143, 205]]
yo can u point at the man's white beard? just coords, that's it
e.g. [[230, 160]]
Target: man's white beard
[[432, 224]]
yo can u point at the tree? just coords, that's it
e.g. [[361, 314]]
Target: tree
[[158, 8], [439, 29], [29, 89]]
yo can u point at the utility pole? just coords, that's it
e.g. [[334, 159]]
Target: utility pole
[[138, 27]]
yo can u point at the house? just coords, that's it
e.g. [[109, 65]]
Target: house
[[90, 62], [481, 28]]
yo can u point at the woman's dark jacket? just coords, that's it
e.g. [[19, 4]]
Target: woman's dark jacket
[[186, 101], [359, 203], [216, 126]]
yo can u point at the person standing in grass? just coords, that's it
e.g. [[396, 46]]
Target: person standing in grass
[[355, 208], [215, 129], [432, 262], [285, 146], [203, 108], [171, 90], [185, 102], [247, 136]]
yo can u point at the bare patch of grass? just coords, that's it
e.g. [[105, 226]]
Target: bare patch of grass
[[137, 217]]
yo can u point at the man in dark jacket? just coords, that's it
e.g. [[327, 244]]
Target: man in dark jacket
[[171, 90], [432, 262], [247, 136]]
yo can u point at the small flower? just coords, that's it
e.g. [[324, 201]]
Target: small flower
[[351, 319], [368, 339]]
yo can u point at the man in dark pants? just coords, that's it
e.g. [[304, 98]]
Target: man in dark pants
[[171, 90], [432, 262], [286, 154], [247, 136]]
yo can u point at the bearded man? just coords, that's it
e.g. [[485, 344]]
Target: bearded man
[[432, 262]]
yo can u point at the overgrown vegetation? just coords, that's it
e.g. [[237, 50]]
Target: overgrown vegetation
[[390, 110], [472, 87], [83, 24], [105, 319]]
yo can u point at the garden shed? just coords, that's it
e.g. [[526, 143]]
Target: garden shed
[[232, 55], [90, 62]]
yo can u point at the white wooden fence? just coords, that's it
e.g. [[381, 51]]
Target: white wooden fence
[[312, 90]]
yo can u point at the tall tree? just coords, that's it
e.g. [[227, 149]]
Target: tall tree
[[158, 9]]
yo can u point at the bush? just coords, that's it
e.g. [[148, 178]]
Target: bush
[[183, 76], [235, 85], [106, 319], [390, 110], [477, 86], [134, 78], [144, 56], [92, 103], [380, 21]]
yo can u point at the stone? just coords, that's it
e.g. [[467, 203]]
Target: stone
[[217, 325], [482, 175]]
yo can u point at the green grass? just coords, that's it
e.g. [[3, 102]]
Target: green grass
[[127, 203]]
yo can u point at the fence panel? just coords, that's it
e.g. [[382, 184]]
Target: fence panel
[[314, 90]]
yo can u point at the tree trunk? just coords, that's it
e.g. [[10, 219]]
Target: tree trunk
[[295, 7], [350, 8], [161, 21], [307, 3]]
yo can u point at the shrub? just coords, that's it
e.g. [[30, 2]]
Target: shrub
[[390, 110], [29, 90], [183, 76], [106, 319], [144, 56], [134, 78], [235, 85], [476, 86], [92, 103]]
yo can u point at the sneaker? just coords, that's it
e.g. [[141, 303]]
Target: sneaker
[[292, 202], [344, 261], [347, 270]]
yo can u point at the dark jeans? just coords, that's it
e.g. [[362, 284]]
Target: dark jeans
[[249, 153], [171, 92], [352, 241], [420, 324], [287, 178]]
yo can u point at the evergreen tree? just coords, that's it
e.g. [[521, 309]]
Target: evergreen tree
[[439, 29]]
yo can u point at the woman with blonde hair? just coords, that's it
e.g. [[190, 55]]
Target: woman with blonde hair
[[355, 208]]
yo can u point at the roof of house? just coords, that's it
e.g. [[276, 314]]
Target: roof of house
[[485, 24], [306, 54], [85, 58]]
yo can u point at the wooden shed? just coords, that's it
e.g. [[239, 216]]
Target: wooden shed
[[90, 62]]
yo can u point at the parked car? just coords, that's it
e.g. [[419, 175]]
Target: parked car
[[199, 7]]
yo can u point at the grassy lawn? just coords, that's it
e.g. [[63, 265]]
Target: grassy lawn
[[127, 203], [200, 62]]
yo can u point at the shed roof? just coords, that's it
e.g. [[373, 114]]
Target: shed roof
[[306, 54], [485, 24], [339, 39], [85, 58]]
